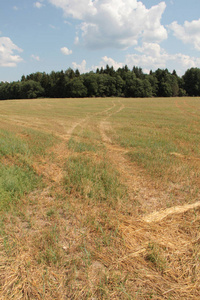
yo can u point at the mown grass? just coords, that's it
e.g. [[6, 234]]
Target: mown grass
[[17, 176], [15, 182], [157, 134], [38, 142], [12, 145], [20, 150], [80, 147], [94, 180], [70, 228]]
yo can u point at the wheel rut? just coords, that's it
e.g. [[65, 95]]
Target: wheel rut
[[141, 190]]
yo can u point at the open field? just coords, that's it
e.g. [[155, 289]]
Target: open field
[[99, 199]]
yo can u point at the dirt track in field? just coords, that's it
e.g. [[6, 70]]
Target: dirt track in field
[[150, 222], [141, 188]]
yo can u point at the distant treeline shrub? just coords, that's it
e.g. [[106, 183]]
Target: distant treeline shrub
[[103, 83]]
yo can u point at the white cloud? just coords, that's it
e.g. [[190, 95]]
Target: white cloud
[[38, 4], [7, 57], [52, 26], [77, 9], [151, 49], [15, 8], [67, 22], [185, 62], [154, 31], [81, 67], [189, 33], [66, 51], [76, 40], [35, 57], [109, 61], [152, 56], [116, 23]]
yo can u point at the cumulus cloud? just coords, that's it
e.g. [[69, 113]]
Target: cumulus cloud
[[154, 31], [189, 33], [81, 67], [152, 56], [76, 40], [35, 57], [38, 4], [7, 56], [77, 9], [116, 23], [111, 62], [66, 51], [108, 61]]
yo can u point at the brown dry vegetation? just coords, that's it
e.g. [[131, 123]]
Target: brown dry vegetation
[[116, 211]]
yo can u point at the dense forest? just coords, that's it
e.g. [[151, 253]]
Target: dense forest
[[103, 83]]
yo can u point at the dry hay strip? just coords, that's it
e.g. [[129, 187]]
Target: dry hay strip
[[165, 254], [160, 215], [181, 156]]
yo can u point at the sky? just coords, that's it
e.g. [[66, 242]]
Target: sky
[[54, 35]]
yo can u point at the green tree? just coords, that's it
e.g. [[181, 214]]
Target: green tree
[[146, 90], [77, 88], [154, 83], [31, 89], [192, 81], [90, 82], [130, 84], [164, 83], [119, 86]]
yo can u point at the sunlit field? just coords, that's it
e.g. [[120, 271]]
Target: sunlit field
[[99, 198]]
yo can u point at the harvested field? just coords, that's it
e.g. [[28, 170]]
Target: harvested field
[[100, 199]]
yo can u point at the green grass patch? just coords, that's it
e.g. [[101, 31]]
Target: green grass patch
[[155, 256], [10, 144], [157, 163], [48, 247], [15, 182], [81, 146], [153, 153], [16, 175], [31, 142], [90, 132], [38, 141], [93, 180]]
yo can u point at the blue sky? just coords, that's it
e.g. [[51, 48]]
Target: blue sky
[[48, 35]]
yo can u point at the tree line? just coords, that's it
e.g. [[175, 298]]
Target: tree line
[[105, 82]]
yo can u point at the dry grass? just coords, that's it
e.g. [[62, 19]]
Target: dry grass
[[128, 227], [165, 255]]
